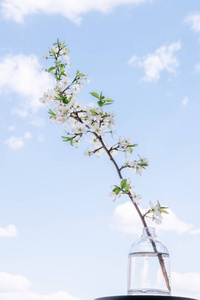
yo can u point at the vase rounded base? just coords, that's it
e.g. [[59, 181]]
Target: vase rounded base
[[148, 292]]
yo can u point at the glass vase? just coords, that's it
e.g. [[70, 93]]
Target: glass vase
[[148, 266]]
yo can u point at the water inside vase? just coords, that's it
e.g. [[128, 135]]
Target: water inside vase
[[145, 274]]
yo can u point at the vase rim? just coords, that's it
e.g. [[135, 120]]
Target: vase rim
[[147, 230]]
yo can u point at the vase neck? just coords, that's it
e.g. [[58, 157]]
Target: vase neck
[[148, 231]]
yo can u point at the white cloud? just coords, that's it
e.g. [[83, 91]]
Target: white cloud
[[39, 122], [16, 287], [20, 112], [27, 135], [163, 59], [186, 284], [15, 142], [193, 19], [24, 76], [125, 219], [9, 231], [11, 283], [35, 296], [11, 128], [71, 9], [185, 101], [197, 68]]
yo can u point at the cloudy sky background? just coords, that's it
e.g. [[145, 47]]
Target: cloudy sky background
[[61, 236]]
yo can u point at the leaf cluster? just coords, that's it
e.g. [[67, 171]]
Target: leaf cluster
[[101, 99]]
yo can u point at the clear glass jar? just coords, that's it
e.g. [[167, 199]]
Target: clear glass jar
[[148, 266]]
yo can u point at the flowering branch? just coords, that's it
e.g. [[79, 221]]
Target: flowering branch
[[81, 120]]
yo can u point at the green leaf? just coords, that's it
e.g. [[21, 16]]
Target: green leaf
[[143, 165], [163, 211], [93, 111], [78, 74], [100, 103], [67, 138], [53, 51], [123, 183], [134, 145], [59, 97], [95, 95], [58, 63], [63, 99], [101, 96], [104, 103], [127, 187], [116, 190], [51, 69], [51, 112], [108, 100], [62, 68], [130, 150]]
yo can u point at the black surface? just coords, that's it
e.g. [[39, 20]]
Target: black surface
[[145, 297]]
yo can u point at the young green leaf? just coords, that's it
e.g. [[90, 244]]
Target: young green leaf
[[116, 190], [100, 103], [123, 183], [163, 211], [130, 150], [78, 74], [51, 69], [108, 100], [127, 187], [51, 112], [67, 138], [95, 95], [93, 111], [52, 50]]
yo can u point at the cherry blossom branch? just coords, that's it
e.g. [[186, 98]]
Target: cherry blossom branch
[[90, 119]]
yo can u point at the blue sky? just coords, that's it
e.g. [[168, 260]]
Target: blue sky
[[62, 237]]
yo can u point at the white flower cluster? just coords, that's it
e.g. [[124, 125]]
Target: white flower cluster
[[66, 110], [124, 144], [137, 166], [125, 188], [155, 210]]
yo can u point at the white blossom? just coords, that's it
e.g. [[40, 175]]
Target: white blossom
[[113, 194], [87, 79], [143, 160], [94, 141], [157, 217], [79, 128], [87, 152], [138, 170], [48, 97], [137, 198], [47, 54]]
